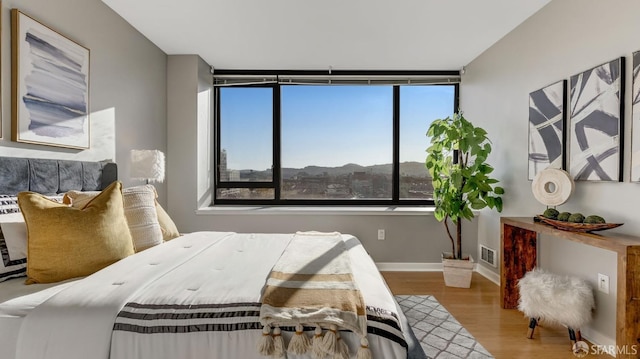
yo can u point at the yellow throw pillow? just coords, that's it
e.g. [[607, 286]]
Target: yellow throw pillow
[[66, 242], [169, 229], [79, 199], [139, 209]]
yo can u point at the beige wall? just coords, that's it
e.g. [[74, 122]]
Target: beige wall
[[564, 38], [127, 83], [182, 106]]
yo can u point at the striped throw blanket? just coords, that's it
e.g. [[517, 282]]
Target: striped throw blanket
[[312, 285]]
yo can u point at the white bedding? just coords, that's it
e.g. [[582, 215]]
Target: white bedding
[[17, 300], [207, 288], [14, 294]]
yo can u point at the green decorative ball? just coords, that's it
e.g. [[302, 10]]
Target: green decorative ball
[[564, 216], [593, 219], [551, 213], [576, 218]]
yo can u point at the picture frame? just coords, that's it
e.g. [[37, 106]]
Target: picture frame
[[597, 122], [50, 86], [635, 119], [1, 133], [547, 122]]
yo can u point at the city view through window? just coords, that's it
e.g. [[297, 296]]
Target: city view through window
[[351, 181], [336, 142]]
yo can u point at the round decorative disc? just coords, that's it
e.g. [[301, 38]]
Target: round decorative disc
[[552, 186]]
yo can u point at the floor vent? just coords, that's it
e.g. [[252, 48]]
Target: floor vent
[[488, 255]]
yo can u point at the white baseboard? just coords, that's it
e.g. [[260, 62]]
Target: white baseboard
[[490, 275], [432, 267], [409, 267], [606, 343]]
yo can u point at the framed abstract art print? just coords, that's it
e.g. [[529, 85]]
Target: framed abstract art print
[[547, 119], [50, 86], [596, 130]]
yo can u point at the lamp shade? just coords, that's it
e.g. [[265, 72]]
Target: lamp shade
[[147, 165]]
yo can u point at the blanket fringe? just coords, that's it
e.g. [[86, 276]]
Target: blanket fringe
[[364, 352], [330, 340], [299, 343], [265, 345], [317, 351], [278, 344], [330, 343], [342, 351]]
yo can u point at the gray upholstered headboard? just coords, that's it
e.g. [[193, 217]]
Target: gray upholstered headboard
[[54, 176]]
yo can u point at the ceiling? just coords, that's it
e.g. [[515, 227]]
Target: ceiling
[[337, 34]]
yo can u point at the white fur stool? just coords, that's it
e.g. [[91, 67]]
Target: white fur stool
[[555, 299]]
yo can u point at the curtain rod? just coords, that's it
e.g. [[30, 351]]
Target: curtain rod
[[333, 72]]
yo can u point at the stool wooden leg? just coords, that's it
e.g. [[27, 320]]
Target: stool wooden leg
[[572, 336], [578, 335], [532, 326]]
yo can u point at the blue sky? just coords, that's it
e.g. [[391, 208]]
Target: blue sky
[[329, 125]]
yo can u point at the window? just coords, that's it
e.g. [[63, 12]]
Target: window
[[419, 105], [298, 141], [337, 142], [246, 155]]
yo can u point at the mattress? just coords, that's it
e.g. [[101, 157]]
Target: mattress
[[226, 269]]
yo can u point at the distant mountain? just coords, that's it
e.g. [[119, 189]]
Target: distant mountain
[[414, 169]]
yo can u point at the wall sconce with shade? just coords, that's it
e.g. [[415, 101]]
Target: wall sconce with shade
[[147, 165]]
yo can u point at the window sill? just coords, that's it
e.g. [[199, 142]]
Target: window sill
[[317, 210]]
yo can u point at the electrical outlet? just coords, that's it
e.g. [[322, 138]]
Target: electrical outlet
[[603, 283], [381, 234]]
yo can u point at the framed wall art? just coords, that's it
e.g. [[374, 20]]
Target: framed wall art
[[1, 133], [596, 125], [547, 117], [635, 119], [50, 86]]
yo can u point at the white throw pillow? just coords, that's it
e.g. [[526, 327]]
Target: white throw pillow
[[8, 204], [13, 246], [139, 208]]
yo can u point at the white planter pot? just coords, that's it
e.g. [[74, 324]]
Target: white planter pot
[[457, 272]]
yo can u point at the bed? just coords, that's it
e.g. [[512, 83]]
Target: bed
[[196, 296]]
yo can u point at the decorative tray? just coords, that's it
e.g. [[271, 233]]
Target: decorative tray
[[578, 227]]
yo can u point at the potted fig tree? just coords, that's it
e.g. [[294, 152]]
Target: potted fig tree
[[456, 160]]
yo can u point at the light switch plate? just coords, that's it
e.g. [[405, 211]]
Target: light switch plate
[[603, 283]]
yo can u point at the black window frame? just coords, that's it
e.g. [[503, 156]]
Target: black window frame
[[275, 182]]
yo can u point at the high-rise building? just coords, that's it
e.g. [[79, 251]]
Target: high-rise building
[[224, 173]]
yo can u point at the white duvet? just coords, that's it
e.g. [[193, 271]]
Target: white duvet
[[196, 296]]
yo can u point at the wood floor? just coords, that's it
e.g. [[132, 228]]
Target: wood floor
[[501, 331]]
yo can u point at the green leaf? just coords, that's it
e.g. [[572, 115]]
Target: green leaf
[[467, 213], [478, 204], [479, 132], [483, 186]]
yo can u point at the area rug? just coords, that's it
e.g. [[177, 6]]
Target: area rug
[[439, 333]]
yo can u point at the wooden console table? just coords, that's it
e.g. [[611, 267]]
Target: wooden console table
[[518, 240]]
